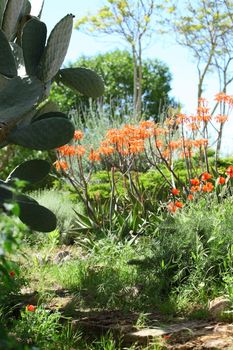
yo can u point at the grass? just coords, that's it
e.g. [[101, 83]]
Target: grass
[[175, 271]]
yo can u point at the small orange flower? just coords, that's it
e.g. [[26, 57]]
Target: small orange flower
[[195, 182], [194, 189], [12, 273], [80, 151], [190, 197], [78, 135], [31, 308], [61, 165], [171, 207], [94, 156], [229, 171], [221, 97], [179, 204], [159, 143], [221, 180], [175, 191], [208, 187], [221, 118], [206, 176]]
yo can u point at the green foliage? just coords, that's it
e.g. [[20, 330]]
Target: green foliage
[[192, 250], [11, 232], [116, 69], [43, 328]]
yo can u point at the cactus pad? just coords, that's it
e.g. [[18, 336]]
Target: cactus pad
[[43, 134], [56, 49], [20, 95], [7, 61], [82, 80], [11, 17], [31, 171], [33, 44]]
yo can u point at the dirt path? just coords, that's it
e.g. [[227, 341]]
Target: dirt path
[[178, 334]]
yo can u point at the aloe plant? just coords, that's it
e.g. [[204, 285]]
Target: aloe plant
[[29, 64]]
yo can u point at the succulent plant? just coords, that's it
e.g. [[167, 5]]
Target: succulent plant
[[29, 64], [28, 67]]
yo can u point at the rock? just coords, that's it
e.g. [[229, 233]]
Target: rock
[[218, 305], [217, 344], [62, 257]]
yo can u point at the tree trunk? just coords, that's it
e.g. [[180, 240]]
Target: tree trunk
[[135, 83], [139, 83]]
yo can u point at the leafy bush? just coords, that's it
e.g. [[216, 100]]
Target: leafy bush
[[192, 250]]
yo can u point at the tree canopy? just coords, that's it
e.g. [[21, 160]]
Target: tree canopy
[[132, 21], [116, 69]]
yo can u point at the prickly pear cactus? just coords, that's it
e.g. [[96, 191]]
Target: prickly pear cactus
[[29, 63]]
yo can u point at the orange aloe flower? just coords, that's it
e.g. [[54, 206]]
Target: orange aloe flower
[[31, 308], [147, 124], [194, 189], [61, 165], [221, 180], [229, 171], [208, 187], [195, 182], [193, 126], [179, 204], [171, 207], [78, 135], [221, 118], [80, 151], [206, 176], [94, 156], [175, 191], [221, 97], [159, 143], [190, 197]]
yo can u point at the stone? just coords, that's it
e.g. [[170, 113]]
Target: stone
[[218, 305]]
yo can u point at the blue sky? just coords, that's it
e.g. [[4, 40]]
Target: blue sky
[[178, 59]]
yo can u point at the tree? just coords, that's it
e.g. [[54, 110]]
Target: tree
[[131, 20], [204, 27], [116, 69]]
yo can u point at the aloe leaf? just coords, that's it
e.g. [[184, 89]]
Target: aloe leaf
[[31, 171], [83, 80], [20, 95], [33, 44], [3, 4], [56, 49], [7, 61], [11, 17], [44, 134]]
